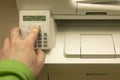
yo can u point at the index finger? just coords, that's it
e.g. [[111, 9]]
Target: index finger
[[15, 34], [33, 34]]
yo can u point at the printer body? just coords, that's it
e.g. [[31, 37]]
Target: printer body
[[86, 36]]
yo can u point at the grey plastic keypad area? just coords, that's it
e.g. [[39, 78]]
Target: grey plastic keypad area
[[41, 41]]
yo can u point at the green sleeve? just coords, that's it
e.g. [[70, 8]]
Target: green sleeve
[[14, 70]]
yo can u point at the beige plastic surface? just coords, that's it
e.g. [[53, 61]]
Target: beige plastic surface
[[94, 42], [98, 9], [96, 1], [69, 9], [55, 6], [47, 26], [97, 46], [72, 44]]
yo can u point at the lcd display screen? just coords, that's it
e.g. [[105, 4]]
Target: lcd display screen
[[34, 18]]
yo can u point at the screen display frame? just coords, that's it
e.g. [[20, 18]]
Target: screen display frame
[[34, 18]]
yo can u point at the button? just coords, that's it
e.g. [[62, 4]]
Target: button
[[45, 45], [45, 38], [35, 45], [39, 45], [45, 34], [39, 38], [39, 42], [35, 42], [45, 41], [40, 34]]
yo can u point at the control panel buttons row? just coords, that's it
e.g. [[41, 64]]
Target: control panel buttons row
[[41, 41]]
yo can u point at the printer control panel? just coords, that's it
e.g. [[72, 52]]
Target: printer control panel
[[28, 19]]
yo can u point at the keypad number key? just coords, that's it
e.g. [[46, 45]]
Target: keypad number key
[[42, 41]]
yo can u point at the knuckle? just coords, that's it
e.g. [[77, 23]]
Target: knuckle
[[14, 30], [34, 32], [6, 39], [13, 42], [29, 43]]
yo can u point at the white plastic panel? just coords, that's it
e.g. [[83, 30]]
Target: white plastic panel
[[98, 9], [72, 44], [55, 6], [98, 1], [98, 46]]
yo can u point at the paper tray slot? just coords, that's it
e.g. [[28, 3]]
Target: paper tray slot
[[96, 13], [89, 45]]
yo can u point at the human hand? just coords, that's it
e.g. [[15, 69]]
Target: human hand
[[16, 48]]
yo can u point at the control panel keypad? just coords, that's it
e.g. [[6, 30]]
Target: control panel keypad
[[41, 41]]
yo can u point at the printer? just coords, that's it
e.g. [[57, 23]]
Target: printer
[[86, 32], [90, 29]]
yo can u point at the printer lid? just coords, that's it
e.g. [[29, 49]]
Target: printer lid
[[74, 9]]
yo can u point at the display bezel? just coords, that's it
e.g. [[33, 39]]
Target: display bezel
[[34, 18]]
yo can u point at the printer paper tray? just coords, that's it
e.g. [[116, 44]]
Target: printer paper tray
[[92, 41]]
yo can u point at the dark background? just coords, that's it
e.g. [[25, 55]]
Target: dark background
[[8, 18]]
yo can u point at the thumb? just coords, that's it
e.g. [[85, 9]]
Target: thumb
[[40, 56]]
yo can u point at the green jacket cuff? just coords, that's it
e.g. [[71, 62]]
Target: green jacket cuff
[[16, 68]]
